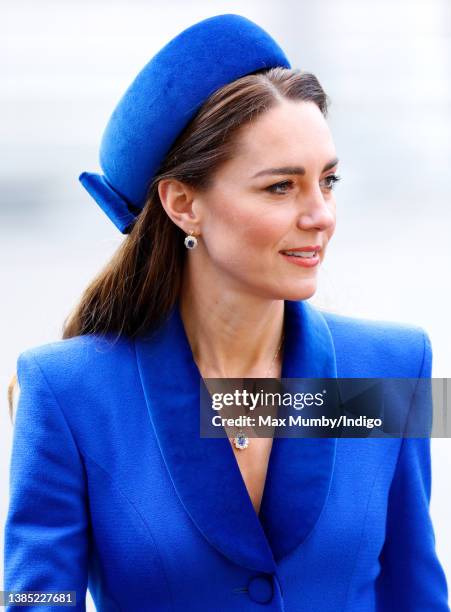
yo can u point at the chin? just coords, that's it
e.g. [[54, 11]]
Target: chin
[[302, 291], [302, 295]]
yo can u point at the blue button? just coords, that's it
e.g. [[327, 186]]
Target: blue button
[[260, 588]]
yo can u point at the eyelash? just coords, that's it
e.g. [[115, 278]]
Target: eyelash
[[334, 177]]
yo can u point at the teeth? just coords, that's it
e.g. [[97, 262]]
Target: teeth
[[301, 253]]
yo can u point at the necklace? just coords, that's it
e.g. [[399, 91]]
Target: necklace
[[241, 441]]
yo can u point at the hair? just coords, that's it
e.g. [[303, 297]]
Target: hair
[[137, 288]]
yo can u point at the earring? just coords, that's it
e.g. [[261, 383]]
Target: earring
[[191, 241]]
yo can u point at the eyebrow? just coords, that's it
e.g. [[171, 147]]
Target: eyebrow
[[294, 169]]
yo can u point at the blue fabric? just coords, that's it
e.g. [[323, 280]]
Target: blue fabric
[[113, 489], [164, 97], [110, 201]]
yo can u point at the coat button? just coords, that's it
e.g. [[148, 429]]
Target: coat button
[[260, 588]]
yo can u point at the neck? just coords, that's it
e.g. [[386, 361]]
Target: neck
[[232, 335]]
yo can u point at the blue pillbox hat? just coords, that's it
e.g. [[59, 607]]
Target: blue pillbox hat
[[163, 98]]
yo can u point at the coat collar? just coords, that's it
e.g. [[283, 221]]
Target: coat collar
[[204, 471]]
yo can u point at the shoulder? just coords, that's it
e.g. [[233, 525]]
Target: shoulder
[[393, 348], [74, 360]]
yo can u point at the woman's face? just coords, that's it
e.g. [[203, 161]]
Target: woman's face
[[274, 196]]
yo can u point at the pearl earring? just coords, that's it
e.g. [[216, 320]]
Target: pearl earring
[[191, 241]]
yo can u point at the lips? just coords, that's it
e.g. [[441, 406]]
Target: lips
[[305, 259], [306, 248]]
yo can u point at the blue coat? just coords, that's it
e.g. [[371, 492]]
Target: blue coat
[[112, 488]]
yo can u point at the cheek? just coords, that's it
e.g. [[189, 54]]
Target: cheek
[[236, 232], [261, 232]]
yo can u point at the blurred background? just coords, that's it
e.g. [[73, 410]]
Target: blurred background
[[386, 67]]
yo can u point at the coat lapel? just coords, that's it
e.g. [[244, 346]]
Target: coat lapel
[[204, 471], [300, 469]]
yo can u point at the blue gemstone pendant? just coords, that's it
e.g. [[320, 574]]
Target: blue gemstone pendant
[[241, 441]]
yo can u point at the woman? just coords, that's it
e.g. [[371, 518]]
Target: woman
[[219, 165]]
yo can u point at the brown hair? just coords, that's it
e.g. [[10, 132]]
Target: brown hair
[[139, 285]]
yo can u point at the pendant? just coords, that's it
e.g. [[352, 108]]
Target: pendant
[[241, 441]]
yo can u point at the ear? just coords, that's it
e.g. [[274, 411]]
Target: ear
[[179, 203]]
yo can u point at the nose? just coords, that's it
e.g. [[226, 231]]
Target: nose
[[317, 212]]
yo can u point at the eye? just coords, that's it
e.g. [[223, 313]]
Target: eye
[[274, 188], [280, 188], [333, 178]]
